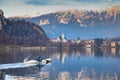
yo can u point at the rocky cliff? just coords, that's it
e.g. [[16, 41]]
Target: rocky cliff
[[2, 20]]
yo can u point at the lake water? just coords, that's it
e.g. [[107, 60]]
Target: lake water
[[68, 64]]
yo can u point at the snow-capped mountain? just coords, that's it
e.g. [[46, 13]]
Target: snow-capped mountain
[[81, 23]]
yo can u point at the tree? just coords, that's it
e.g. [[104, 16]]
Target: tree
[[98, 41]]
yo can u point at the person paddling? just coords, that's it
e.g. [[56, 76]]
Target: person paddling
[[39, 58]]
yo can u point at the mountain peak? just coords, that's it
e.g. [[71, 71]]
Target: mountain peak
[[114, 9], [1, 12], [108, 16], [2, 20], [99, 23], [23, 16]]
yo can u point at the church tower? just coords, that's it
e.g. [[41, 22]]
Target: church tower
[[63, 37]]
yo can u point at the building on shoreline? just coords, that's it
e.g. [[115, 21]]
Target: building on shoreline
[[62, 42]]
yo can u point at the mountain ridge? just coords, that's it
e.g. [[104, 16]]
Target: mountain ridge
[[82, 17], [80, 23]]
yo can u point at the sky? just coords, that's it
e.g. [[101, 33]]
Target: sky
[[39, 7]]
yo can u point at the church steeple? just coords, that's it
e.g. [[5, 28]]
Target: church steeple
[[62, 36]]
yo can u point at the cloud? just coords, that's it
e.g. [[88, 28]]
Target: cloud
[[31, 7], [69, 2], [12, 2]]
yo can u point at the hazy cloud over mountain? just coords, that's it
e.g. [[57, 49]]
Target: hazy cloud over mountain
[[31, 7]]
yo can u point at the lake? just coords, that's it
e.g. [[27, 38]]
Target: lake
[[68, 64]]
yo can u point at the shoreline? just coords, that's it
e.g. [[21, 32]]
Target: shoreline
[[46, 47]]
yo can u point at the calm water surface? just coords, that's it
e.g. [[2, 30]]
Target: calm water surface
[[70, 64]]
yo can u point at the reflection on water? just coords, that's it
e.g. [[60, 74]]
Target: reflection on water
[[70, 64], [81, 75]]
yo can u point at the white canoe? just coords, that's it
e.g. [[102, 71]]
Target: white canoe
[[43, 62], [32, 62]]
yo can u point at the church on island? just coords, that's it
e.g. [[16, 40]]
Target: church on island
[[59, 39], [59, 43]]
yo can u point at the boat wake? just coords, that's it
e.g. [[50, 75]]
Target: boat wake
[[15, 65]]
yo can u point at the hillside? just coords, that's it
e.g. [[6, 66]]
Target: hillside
[[20, 32]]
